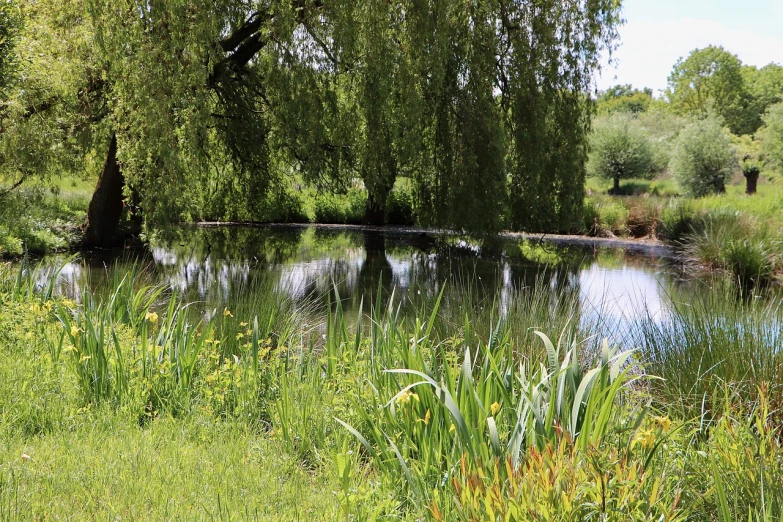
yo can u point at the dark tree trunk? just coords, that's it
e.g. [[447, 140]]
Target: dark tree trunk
[[616, 188], [375, 211], [105, 210], [751, 181]]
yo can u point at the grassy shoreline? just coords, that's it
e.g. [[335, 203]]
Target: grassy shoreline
[[134, 404]]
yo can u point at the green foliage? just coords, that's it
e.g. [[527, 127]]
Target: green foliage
[[728, 240], [10, 22], [348, 208], [676, 221], [711, 79], [623, 98], [619, 149], [772, 136], [765, 86], [399, 207], [662, 126], [703, 158], [34, 221]]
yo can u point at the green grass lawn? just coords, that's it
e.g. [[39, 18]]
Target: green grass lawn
[[102, 466]]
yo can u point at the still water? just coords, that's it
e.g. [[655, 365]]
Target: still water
[[213, 265]]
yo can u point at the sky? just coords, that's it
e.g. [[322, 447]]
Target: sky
[[658, 32]]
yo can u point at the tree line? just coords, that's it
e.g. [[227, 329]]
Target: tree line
[[716, 117]]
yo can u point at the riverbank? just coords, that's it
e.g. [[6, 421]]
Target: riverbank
[[132, 405], [732, 233]]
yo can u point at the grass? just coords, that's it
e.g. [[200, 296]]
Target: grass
[[136, 404], [106, 467], [735, 233]]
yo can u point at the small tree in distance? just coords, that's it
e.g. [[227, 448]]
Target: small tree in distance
[[619, 149], [703, 158]]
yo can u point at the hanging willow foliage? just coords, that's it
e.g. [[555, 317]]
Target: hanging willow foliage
[[483, 104]]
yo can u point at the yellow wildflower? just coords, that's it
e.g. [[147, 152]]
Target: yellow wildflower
[[645, 438], [75, 330], [227, 313], [665, 423], [240, 335], [452, 427], [85, 358], [495, 408], [406, 397], [152, 317], [242, 324], [426, 419]]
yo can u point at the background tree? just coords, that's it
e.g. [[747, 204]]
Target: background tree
[[765, 86], [619, 149], [624, 98], [703, 158], [772, 137], [9, 28], [711, 79]]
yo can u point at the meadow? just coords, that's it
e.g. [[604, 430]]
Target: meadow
[[135, 404]]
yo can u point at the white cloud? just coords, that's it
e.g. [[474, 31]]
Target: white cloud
[[649, 50]]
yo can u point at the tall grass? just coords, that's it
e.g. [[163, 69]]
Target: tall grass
[[711, 338], [450, 406]]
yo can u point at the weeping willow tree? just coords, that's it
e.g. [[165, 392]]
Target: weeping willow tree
[[181, 104]]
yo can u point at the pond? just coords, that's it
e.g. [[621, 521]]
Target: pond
[[213, 265]]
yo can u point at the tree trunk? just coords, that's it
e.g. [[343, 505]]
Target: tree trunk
[[105, 210], [616, 188], [751, 181], [375, 211]]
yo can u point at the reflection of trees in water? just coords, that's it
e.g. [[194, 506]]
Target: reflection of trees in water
[[218, 264]]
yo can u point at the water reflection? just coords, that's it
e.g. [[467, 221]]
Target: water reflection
[[213, 264]]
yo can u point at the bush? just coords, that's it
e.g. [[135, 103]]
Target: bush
[[642, 219], [676, 221], [399, 205], [619, 149], [703, 158], [662, 127], [341, 209]]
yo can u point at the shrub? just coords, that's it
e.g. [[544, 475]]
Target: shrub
[[612, 218], [712, 231], [399, 206], [341, 209], [620, 149], [703, 158], [642, 219], [752, 261], [676, 221]]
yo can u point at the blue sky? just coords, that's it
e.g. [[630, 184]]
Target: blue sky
[[657, 32]]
